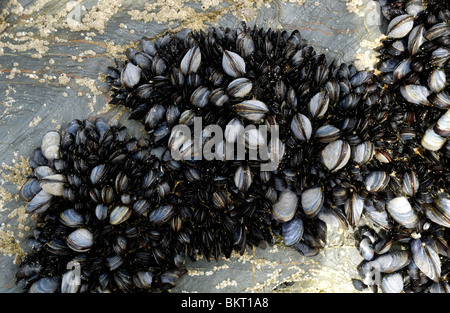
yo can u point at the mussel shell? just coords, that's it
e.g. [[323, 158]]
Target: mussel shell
[[53, 184], [161, 215], [415, 94], [71, 218], [119, 214], [318, 105], [432, 141], [301, 127], [218, 97], [437, 80], [253, 110], [363, 152], [354, 208], [439, 211], [400, 209], [415, 39], [391, 262], [143, 279], [400, 26], [191, 61], [46, 285], [30, 189], [312, 201], [39, 203], [80, 240], [376, 181], [98, 173], [243, 178], [70, 282], [410, 183], [43, 171], [155, 116], [141, 206], [239, 88], [442, 127], [426, 259], [284, 209], [292, 231], [437, 30], [200, 97], [101, 211], [233, 130], [233, 64], [131, 75], [327, 133], [50, 145], [366, 249], [336, 155], [392, 283]]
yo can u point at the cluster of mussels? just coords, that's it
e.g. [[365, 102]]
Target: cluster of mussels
[[408, 250], [353, 150]]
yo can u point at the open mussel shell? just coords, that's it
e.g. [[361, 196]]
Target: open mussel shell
[[312, 201], [400, 209], [80, 240], [336, 155], [292, 231], [392, 283], [119, 214], [426, 258], [70, 282], [400, 26], [284, 209]]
